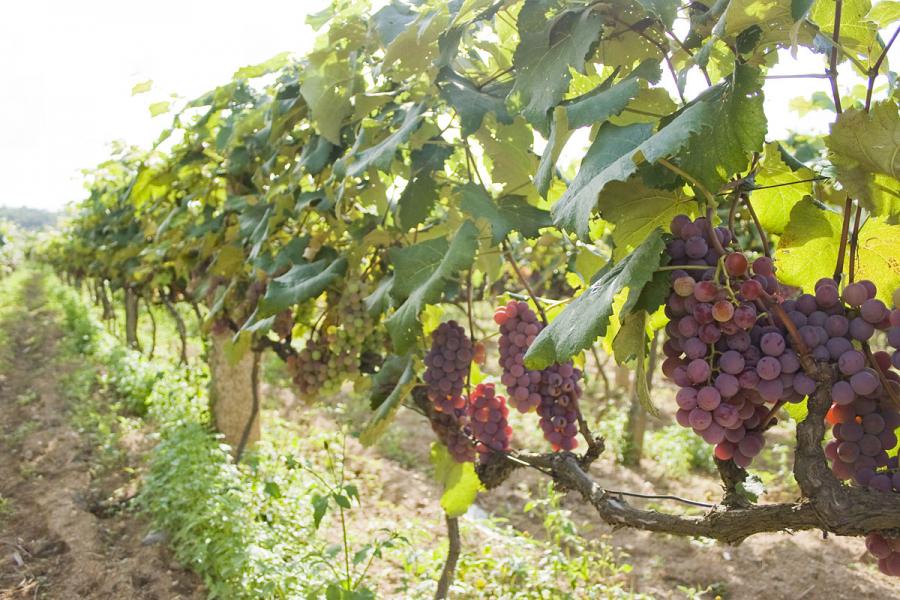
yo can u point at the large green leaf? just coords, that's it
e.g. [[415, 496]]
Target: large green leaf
[[512, 213], [390, 386], [603, 102], [782, 188], [734, 128], [421, 193], [608, 159], [712, 138], [301, 283], [586, 318], [327, 102], [547, 50], [471, 103], [808, 249], [459, 480], [865, 150], [382, 154], [430, 278]]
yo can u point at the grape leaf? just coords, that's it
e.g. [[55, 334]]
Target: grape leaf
[[382, 154], [808, 249], [603, 102], [587, 317], [713, 137], [636, 210], [773, 205], [421, 192], [857, 32], [547, 49], [461, 484], [664, 9], [419, 265], [301, 283], [390, 386], [632, 344], [469, 102], [510, 213], [864, 145], [602, 163], [734, 127], [327, 103], [884, 13], [797, 410]]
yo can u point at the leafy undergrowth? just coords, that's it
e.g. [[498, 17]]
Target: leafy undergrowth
[[305, 514]]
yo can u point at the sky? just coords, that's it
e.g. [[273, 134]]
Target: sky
[[69, 68]]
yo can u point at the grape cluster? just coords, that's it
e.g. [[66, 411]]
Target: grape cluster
[[862, 420], [447, 366], [558, 409], [487, 413], [553, 392], [331, 355], [451, 432], [886, 551], [727, 359], [893, 332], [518, 328]]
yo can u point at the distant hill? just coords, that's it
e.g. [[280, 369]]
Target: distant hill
[[31, 219]]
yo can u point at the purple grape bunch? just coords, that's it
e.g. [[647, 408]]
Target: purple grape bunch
[[519, 326], [727, 359], [553, 392], [863, 420], [487, 417], [447, 366]]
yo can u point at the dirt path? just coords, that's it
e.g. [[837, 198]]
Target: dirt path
[[51, 543]]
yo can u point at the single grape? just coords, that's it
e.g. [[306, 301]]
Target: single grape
[[768, 368], [752, 290], [763, 266], [855, 294], [873, 311], [736, 264]]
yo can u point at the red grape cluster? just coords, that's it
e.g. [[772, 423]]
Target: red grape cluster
[[893, 332], [487, 412], [886, 551], [447, 366], [862, 418], [450, 431], [559, 405], [518, 328], [727, 359], [553, 391]]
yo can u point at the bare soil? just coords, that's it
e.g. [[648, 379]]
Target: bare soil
[[68, 531]]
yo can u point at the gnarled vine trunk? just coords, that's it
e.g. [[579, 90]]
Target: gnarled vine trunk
[[131, 319], [234, 394]]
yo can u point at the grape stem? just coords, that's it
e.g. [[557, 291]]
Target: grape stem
[[471, 327], [873, 72], [711, 231], [842, 247], [854, 240], [453, 551], [524, 282], [764, 422], [832, 65], [762, 234]]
